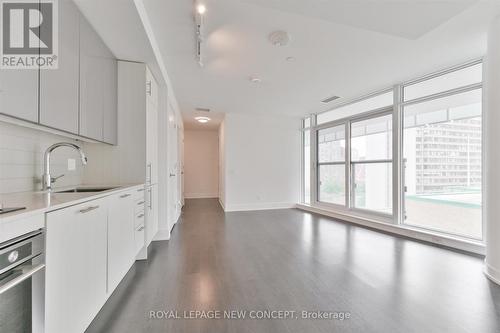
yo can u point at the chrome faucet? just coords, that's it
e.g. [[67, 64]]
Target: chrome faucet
[[47, 180]]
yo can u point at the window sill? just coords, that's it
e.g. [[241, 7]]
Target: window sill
[[457, 243]]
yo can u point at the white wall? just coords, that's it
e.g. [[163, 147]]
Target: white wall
[[491, 164], [222, 164], [21, 159], [262, 156], [201, 164]]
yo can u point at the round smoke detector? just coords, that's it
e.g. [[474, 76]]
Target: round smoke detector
[[279, 38]]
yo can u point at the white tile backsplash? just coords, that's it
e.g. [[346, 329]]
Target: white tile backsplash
[[21, 159]]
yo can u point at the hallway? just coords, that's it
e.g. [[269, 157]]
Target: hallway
[[296, 261]]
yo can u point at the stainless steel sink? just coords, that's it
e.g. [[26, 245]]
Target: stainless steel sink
[[86, 189]]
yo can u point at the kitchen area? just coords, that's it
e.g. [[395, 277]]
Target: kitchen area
[[86, 169]]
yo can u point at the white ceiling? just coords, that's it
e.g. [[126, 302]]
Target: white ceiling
[[341, 47], [402, 18], [190, 123], [120, 27]]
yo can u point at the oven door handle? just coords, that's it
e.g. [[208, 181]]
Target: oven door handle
[[28, 272]]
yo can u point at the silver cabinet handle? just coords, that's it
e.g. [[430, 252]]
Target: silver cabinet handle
[[150, 172], [172, 175], [150, 199], [26, 275], [124, 195], [140, 203], [140, 216], [86, 210]]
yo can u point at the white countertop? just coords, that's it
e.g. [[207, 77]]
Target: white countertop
[[42, 202]]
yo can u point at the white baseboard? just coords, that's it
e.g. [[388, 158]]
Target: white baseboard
[[492, 273], [448, 241], [258, 206], [162, 234], [200, 195]]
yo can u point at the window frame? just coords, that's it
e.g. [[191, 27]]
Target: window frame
[[448, 93], [376, 114], [398, 193], [344, 163], [303, 130]]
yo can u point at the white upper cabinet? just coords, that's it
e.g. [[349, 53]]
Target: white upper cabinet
[[110, 123], [98, 86], [59, 88], [80, 96], [19, 93]]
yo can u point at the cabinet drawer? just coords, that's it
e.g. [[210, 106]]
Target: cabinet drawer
[[21, 226], [139, 219], [139, 194], [139, 206], [139, 238]]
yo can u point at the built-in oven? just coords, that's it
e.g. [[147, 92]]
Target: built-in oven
[[22, 281]]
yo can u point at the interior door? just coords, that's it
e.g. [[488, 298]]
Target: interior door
[[173, 163]]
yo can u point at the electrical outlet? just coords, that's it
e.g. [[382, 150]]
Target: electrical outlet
[[71, 164]]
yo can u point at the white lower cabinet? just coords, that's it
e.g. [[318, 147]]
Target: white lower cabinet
[[89, 249], [76, 249], [151, 213], [121, 242]]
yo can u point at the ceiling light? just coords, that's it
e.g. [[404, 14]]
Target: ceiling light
[[255, 79], [198, 19], [201, 9], [202, 120]]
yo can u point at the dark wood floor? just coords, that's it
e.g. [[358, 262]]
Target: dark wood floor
[[292, 260]]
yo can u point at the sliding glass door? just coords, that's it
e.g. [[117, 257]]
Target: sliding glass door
[[371, 163], [331, 165]]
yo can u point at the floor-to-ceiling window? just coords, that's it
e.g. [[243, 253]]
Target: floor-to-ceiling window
[[354, 156], [371, 163], [414, 160], [442, 153]]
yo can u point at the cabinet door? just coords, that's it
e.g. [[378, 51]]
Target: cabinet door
[[110, 130], [19, 93], [91, 85], [121, 239], [151, 87], [59, 88], [151, 135], [98, 87], [76, 266], [151, 213]]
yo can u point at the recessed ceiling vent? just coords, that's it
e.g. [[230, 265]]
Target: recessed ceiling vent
[[330, 99], [202, 109]]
